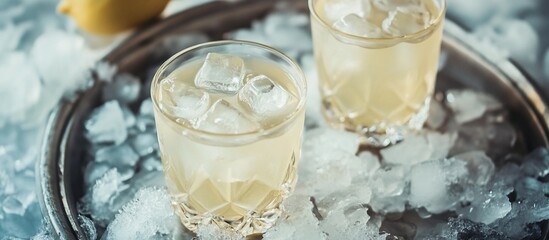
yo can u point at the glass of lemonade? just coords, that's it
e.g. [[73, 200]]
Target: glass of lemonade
[[229, 117], [377, 63]]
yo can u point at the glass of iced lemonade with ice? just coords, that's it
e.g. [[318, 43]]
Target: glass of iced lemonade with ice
[[229, 117], [377, 63]]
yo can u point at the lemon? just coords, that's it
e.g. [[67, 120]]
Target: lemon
[[106, 17]]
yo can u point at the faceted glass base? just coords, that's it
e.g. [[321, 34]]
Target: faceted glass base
[[383, 134], [251, 223], [246, 208]]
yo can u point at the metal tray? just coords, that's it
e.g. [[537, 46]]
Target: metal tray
[[61, 161]]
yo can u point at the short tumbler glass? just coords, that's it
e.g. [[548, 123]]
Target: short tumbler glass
[[235, 181], [378, 86]]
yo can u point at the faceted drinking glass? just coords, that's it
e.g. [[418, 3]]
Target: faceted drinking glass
[[231, 156], [377, 63]]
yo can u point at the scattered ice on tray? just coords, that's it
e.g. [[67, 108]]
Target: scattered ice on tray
[[432, 172], [148, 216], [107, 124], [264, 97], [124, 88], [221, 73]]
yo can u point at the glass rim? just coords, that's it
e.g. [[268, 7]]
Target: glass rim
[[299, 80], [400, 38]]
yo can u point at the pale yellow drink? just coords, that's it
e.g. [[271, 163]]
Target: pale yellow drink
[[375, 78], [236, 179]]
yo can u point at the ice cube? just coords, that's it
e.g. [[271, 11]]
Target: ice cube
[[23, 90], [322, 141], [117, 155], [15, 226], [297, 222], [11, 35], [129, 117], [480, 167], [146, 107], [106, 124], [105, 71], [221, 73], [144, 143], [88, 227], [371, 162], [430, 184], [183, 101], [286, 31], [336, 9], [94, 171], [224, 118], [390, 190], [151, 163], [12, 205], [459, 228], [213, 232], [356, 25], [103, 196], [528, 185], [469, 105], [317, 177], [417, 148], [530, 207], [125, 88], [145, 179], [148, 216], [406, 20], [536, 164], [505, 34], [389, 182], [437, 115], [487, 205], [145, 123], [264, 97], [69, 70]]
